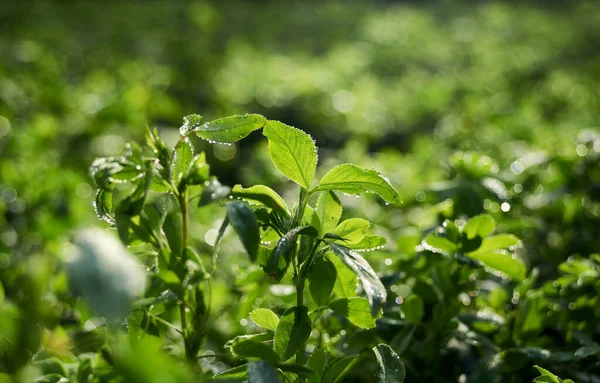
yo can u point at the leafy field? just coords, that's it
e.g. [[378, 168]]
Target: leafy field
[[434, 216]]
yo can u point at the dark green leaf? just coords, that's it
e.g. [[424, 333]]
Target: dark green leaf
[[265, 318], [251, 350], [317, 362], [391, 368], [292, 151], [103, 205], [352, 179], [245, 224], [262, 372], [280, 257], [413, 309], [173, 229], [262, 194], [336, 369], [329, 209], [481, 225], [297, 370], [292, 332], [373, 287], [321, 280], [356, 310], [230, 129], [213, 191]]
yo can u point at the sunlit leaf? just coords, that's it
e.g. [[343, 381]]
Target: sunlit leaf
[[353, 179], [292, 151], [265, 318], [263, 195], [230, 129], [481, 225], [356, 310]]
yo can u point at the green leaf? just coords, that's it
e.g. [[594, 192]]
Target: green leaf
[[369, 243], [262, 372], [437, 244], [281, 255], [501, 261], [251, 350], [546, 376], [346, 281], [263, 195], [292, 332], [356, 310], [198, 172], [374, 289], [481, 225], [500, 241], [190, 123], [245, 224], [413, 309], [321, 279], [329, 209], [352, 179], [353, 230], [292, 151], [239, 372], [391, 368], [311, 218], [298, 370], [265, 318], [182, 158], [103, 204], [336, 369], [317, 362], [230, 129], [213, 191], [172, 228]]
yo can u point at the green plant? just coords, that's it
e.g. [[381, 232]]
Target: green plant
[[306, 244]]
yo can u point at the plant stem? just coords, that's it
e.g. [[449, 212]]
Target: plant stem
[[300, 302]]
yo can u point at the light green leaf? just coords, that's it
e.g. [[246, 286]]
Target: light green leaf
[[480, 225], [350, 178], [321, 280], [311, 218], [245, 224], [263, 195], [329, 209], [265, 318], [413, 309], [262, 372], [198, 172], [292, 151], [230, 129], [346, 280], [292, 332], [374, 289], [440, 245], [391, 368], [501, 261], [182, 157], [500, 241], [369, 243], [356, 310], [353, 230]]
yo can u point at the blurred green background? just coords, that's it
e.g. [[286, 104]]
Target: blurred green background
[[467, 107]]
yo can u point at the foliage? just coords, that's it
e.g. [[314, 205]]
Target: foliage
[[482, 116]]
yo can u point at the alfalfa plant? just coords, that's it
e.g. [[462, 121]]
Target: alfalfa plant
[[307, 240]]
